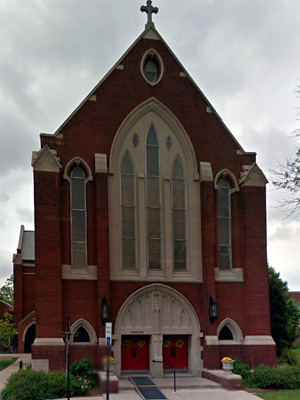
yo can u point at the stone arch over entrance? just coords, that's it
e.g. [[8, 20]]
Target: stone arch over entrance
[[154, 311]]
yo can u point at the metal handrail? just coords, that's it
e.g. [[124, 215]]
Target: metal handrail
[[174, 372]]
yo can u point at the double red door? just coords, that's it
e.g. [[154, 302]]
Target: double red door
[[135, 353], [175, 352]]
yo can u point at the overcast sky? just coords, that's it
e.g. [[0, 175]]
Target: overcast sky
[[244, 55]]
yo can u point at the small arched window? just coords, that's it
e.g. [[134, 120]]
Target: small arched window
[[128, 211], [224, 224], [78, 218], [225, 333], [81, 336], [153, 200], [179, 216]]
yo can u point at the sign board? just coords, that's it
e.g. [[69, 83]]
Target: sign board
[[108, 333]]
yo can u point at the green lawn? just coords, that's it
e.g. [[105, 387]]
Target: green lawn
[[6, 363], [286, 395]]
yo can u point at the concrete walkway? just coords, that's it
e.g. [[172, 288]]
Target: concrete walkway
[[6, 373], [188, 388], [182, 394]]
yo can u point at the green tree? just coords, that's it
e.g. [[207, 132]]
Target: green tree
[[287, 176], [7, 291], [7, 331], [283, 311]]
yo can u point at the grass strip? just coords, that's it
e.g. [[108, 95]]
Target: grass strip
[[5, 363], [280, 395]]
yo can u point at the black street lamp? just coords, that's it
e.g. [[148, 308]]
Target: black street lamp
[[104, 310], [213, 311]]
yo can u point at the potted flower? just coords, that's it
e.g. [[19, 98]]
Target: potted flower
[[227, 363], [108, 362]]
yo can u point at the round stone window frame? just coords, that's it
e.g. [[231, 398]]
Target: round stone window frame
[[153, 54]]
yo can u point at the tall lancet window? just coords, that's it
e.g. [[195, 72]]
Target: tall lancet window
[[78, 218], [128, 211], [153, 200], [224, 224], [179, 216]]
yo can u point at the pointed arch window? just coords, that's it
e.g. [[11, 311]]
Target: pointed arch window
[[224, 224], [81, 336], [225, 333], [78, 218], [153, 200], [179, 216], [128, 213]]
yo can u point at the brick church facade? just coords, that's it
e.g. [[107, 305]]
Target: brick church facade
[[145, 198]]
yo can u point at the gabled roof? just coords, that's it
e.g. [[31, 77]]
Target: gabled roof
[[9, 307], [28, 246], [252, 175], [149, 33]]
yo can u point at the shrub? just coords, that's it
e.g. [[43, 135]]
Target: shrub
[[56, 385], [264, 377], [83, 368], [285, 377], [80, 385], [25, 385], [240, 368], [290, 357]]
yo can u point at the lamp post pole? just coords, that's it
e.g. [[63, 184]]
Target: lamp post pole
[[107, 371], [68, 336], [108, 331]]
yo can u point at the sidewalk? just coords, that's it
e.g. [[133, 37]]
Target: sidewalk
[[182, 394], [5, 374], [208, 391]]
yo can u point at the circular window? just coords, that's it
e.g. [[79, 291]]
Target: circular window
[[152, 67]]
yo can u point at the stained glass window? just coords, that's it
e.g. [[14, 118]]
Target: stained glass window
[[153, 200], [78, 218], [179, 216], [224, 224], [128, 211]]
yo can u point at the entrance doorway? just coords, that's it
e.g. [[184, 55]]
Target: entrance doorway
[[153, 314], [175, 352], [135, 354], [29, 338]]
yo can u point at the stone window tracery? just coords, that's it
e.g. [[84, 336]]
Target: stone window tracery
[[164, 201]]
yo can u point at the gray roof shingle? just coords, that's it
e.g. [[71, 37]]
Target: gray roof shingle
[[28, 250]]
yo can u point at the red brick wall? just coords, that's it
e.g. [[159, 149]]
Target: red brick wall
[[48, 283], [92, 130], [55, 354], [80, 300]]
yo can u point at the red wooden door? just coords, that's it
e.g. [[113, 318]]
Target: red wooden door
[[135, 353], [175, 351]]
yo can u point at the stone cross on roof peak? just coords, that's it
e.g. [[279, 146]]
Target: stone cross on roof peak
[[149, 9]]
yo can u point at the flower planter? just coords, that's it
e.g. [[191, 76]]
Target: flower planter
[[227, 366], [111, 366]]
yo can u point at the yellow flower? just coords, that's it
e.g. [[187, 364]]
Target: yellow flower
[[227, 359], [109, 359]]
